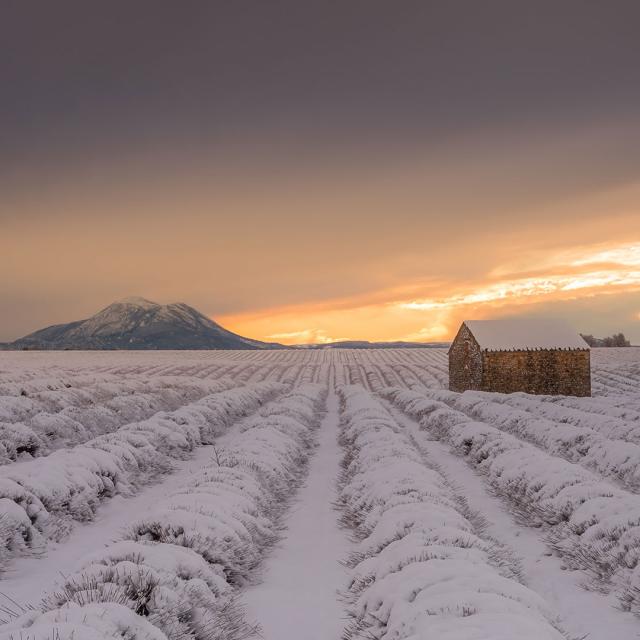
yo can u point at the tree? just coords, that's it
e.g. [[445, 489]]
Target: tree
[[619, 340], [616, 340]]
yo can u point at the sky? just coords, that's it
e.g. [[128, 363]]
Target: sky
[[317, 171]]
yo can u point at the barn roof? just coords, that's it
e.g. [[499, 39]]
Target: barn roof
[[524, 334]]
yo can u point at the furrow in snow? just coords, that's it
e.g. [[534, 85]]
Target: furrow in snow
[[421, 568], [297, 597]]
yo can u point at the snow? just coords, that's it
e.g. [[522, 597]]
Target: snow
[[584, 614], [610, 453], [54, 418], [593, 525], [103, 621], [28, 578], [447, 575], [524, 334], [303, 575], [138, 301], [47, 493], [163, 495], [179, 561]]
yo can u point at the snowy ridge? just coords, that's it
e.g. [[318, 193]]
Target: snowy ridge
[[33, 383], [610, 455], [99, 410], [420, 570], [605, 410], [39, 498], [177, 567], [21, 401], [138, 301], [592, 525]]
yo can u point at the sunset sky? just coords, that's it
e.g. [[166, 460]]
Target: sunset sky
[[317, 171]]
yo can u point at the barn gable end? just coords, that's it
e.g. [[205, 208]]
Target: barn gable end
[[465, 361], [534, 356]]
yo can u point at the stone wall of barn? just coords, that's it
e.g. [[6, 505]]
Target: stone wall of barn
[[541, 372], [465, 362]]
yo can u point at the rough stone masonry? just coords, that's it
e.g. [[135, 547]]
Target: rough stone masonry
[[548, 371]]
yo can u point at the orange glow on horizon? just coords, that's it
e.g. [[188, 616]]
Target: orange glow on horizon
[[316, 256], [435, 313]]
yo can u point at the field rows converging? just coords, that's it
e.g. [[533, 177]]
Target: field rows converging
[[324, 494], [302, 577], [43, 496], [603, 445], [37, 428], [422, 567]]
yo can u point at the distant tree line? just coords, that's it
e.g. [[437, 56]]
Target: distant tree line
[[616, 340]]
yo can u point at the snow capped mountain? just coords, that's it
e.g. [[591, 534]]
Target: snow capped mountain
[[138, 323]]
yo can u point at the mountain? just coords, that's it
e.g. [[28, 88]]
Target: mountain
[[137, 323]]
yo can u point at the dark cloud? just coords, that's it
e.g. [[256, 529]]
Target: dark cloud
[[76, 75]]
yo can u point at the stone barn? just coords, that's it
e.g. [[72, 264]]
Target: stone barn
[[541, 356]]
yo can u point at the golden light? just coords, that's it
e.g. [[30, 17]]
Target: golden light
[[434, 316]]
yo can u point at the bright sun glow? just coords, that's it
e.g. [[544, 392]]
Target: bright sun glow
[[531, 287], [435, 314]]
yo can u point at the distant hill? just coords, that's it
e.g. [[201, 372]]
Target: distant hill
[[137, 323], [365, 344]]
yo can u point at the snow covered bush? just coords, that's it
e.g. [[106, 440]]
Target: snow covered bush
[[593, 525], [17, 439], [228, 512], [24, 519], [591, 413], [173, 587], [599, 406], [41, 495], [74, 416], [6, 535], [582, 442], [17, 409], [421, 568], [101, 621], [177, 567]]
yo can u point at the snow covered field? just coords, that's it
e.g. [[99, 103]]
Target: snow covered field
[[313, 495]]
